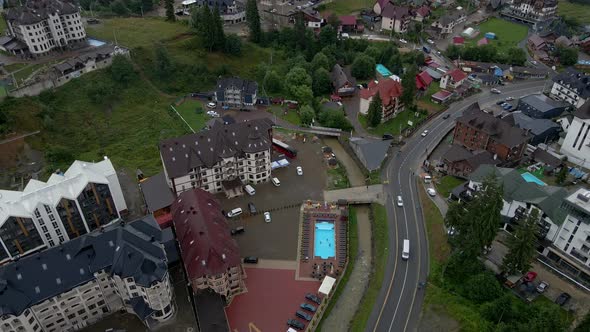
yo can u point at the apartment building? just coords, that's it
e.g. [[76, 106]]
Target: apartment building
[[532, 11], [235, 92], [121, 267], [571, 86], [576, 145], [44, 26], [478, 130], [445, 24], [79, 201], [395, 18], [389, 91], [221, 158], [210, 255], [231, 11]]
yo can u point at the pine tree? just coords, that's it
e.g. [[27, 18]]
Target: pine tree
[[203, 22], [218, 34], [521, 246], [170, 10], [374, 114], [253, 18], [562, 175], [409, 86]]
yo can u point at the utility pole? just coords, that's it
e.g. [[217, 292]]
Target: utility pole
[[141, 7]]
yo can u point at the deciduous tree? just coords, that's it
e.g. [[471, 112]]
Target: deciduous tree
[[321, 82], [122, 70], [320, 60], [306, 114], [363, 66]]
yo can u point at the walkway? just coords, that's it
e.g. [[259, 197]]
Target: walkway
[[349, 300]]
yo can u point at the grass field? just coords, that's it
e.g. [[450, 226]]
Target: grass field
[[291, 116], [193, 112], [394, 125], [447, 184], [578, 11], [508, 34], [438, 246], [347, 7], [380, 254], [337, 178], [426, 102]]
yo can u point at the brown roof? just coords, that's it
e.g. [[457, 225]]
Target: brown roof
[[536, 40], [207, 147], [388, 90], [395, 12], [207, 247], [500, 131]]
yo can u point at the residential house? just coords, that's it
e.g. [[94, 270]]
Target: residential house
[[121, 268], [342, 81], [446, 23], [460, 162], [222, 158], [45, 214], [532, 11], [541, 130], [571, 86], [236, 92], [421, 13], [488, 79], [371, 152], [435, 74], [576, 145], [348, 24], [458, 41], [231, 11], [539, 106], [77, 66], [536, 43], [379, 6], [44, 26], [584, 44], [563, 41], [312, 18], [395, 18], [211, 256], [390, 92], [453, 79], [441, 97], [158, 198], [550, 162], [423, 81], [524, 73], [477, 130]]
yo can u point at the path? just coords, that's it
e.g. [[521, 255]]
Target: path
[[349, 300], [19, 137]]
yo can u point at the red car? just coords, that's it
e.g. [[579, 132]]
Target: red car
[[530, 276]]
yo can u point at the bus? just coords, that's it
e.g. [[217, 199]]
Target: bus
[[284, 148]]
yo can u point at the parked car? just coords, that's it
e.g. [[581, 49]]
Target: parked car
[[446, 116], [451, 231], [252, 207], [211, 105], [496, 91], [500, 102], [313, 298], [542, 287], [387, 136], [304, 315], [431, 192], [267, 216], [529, 276], [296, 324], [430, 41], [251, 260], [424, 133], [237, 230], [308, 307], [562, 298], [403, 41], [299, 170], [508, 107], [509, 98]]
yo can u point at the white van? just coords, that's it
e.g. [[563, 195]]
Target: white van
[[250, 190], [276, 182], [427, 179], [234, 213], [406, 250]]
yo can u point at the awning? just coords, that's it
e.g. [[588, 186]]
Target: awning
[[327, 285]]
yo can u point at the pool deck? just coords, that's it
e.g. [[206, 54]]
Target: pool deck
[[315, 268]]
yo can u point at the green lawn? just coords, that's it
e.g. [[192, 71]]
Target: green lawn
[[447, 184], [374, 177], [292, 116], [579, 11], [380, 254], [353, 245], [439, 248], [457, 307], [508, 34], [544, 301], [2, 24], [347, 7], [193, 112], [337, 178], [394, 125], [136, 32], [15, 66], [426, 102]]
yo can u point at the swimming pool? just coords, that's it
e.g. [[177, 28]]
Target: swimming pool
[[383, 71], [528, 177], [324, 243], [95, 42]]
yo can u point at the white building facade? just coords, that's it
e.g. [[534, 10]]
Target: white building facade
[[571, 86], [576, 145], [45, 214]]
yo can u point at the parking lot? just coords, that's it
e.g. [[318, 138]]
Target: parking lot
[[278, 239]]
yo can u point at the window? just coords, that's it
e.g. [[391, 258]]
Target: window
[[92, 306], [71, 316]]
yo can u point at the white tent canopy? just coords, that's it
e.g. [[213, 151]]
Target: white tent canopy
[[327, 285]]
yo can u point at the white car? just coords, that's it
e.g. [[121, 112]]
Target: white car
[[510, 99], [424, 133], [211, 105], [431, 192], [403, 41], [267, 216], [299, 170], [496, 91], [429, 41], [400, 203], [213, 114]]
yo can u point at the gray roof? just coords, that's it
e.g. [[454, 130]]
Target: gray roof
[[451, 17], [35, 11], [81, 60], [499, 130], [583, 112], [207, 147], [576, 80], [536, 126], [372, 152], [126, 250], [529, 70], [475, 159], [547, 198], [340, 77], [456, 153], [156, 192], [546, 158], [541, 103], [247, 86], [395, 12]]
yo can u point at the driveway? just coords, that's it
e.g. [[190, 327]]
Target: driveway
[[351, 107]]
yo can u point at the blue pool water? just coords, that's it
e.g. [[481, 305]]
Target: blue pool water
[[383, 71], [324, 243], [528, 177], [95, 42]]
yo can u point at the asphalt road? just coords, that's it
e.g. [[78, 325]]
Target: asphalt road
[[400, 300]]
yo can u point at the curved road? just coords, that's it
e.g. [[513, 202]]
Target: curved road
[[400, 301]]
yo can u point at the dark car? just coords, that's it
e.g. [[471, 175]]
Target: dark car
[[252, 207], [303, 315], [562, 298], [251, 259], [296, 324], [237, 230], [500, 102], [446, 116], [387, 136], [313, 298], [307, 307]]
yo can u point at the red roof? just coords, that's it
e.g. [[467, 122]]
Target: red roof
[[423, 11], [347, 20], [442, 95], [388, 90], [457, 75], [206, 245], [483, 41], [423, 80], [458, 40]]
